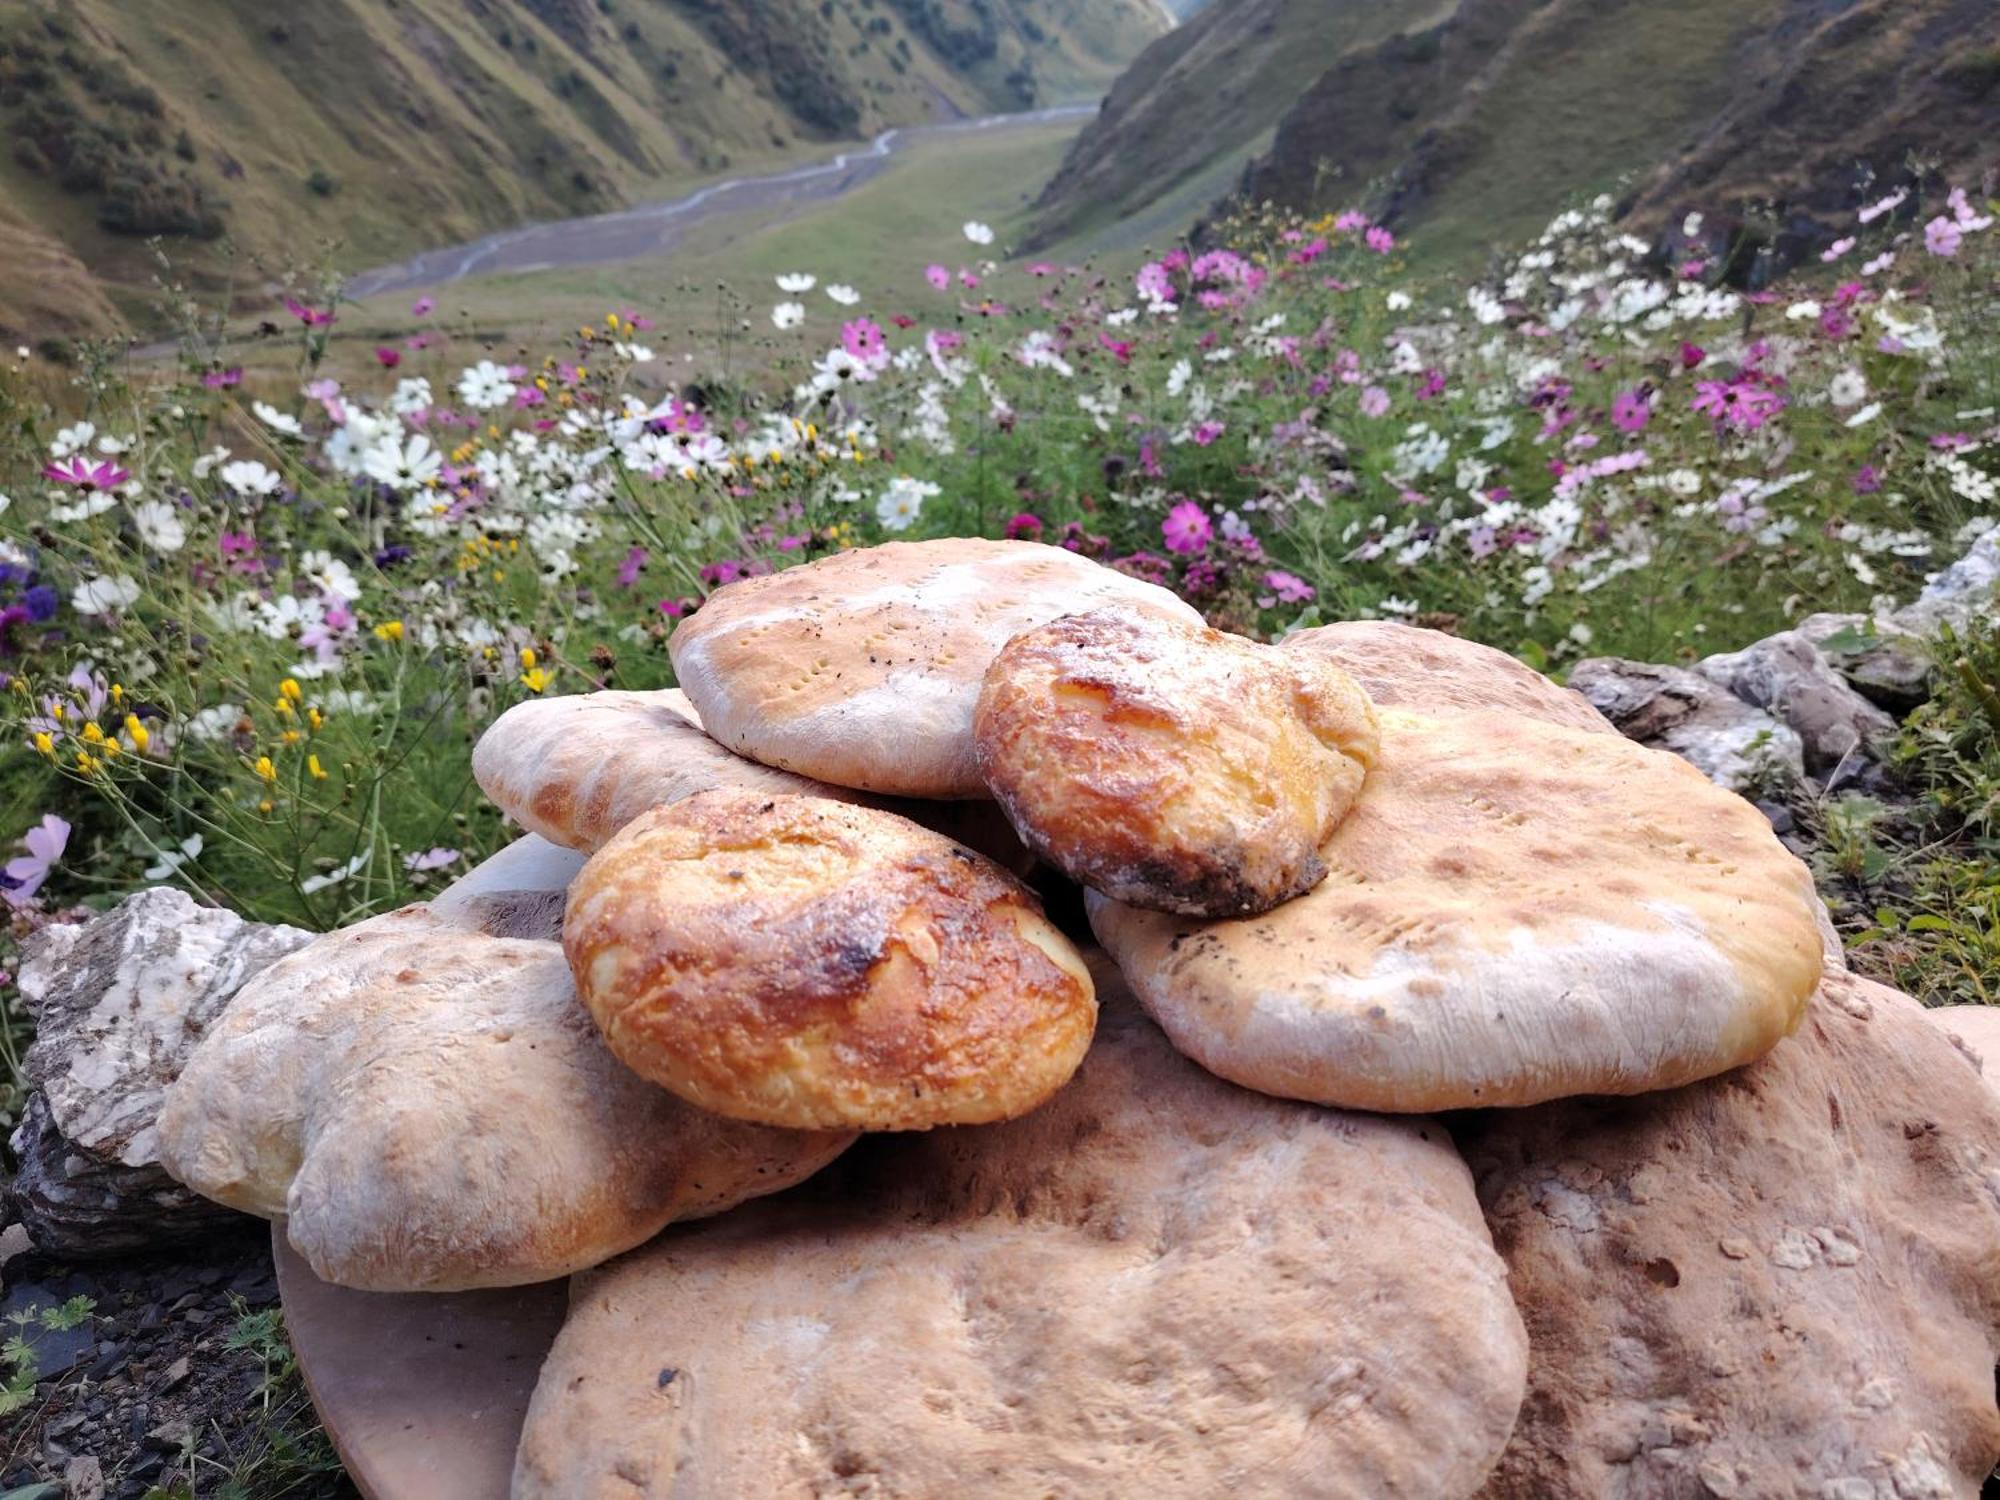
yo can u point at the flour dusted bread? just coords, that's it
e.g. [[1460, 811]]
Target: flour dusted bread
[[1516, 911], [1155, 1287], [577, 769], [863, 668], [808, 963], [428, 1108], [1170, 765], [1429, 672]]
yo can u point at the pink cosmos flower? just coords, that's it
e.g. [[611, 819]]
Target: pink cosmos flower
[[675, 609], [1206, 433], [1120, 349], [1837, 249], [45, 843], [1350, 221], [1155, 283], [222, 380], [1024, 526], [1380, 240], [86, 474], [1886, 205], [1374, 402], [1692, 355], [1741, 404], [386, 357], [1943, 236], [629, 568], [1187, 529], [422, 307], [863, 339], [1432, 386], [1867, 479], [1632, 410], [431, 859], [1288, 587], [311, 317], [937, 276]]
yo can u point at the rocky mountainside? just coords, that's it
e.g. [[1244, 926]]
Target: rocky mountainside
[[1473, 121], [229, 125]]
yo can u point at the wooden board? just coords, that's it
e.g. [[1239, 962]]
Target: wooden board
[[422, 1394]]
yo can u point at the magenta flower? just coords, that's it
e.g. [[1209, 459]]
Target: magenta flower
[[1120, 349], [1187, 529], [311, 317], [629, 568], [937, 276], [1692, 355], [1350, 221], [1631, 411], [1024, 526], [863, 339], [1206, 433], [388, 358], [222, 380], [85, 473], [1289, 588], [1867, 479], [1379, 240], [25, 873], [421, 308]]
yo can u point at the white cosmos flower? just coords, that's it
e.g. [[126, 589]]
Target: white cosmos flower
[[1848, 388], [314, 883], [412, 394], [902, 501], [248, 477], [788, 314], [159, 526], [403, 466], [113, 446], [91, 503], [797, 281], [277, 421], [99, 596], [637, 354], [836, 368], [978, 233], [1866, 415], [485, 386], [205, 465], [73, 439], [214, 723], [1398, 301], [846, 296]]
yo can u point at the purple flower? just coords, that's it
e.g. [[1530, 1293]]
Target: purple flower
[[222, 380], [1024, 525], [1867, 479], [25, 873], [1206, 433], [1187, 529], [1374, 401], [629, 569], [1943, 236], [86, 474], [1631, 411], [42, 601]]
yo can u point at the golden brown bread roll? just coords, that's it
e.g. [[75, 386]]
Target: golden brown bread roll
[[1169, 765], [787, 959]]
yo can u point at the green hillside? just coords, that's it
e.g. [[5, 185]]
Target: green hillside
[[256, 139], [1474, 121]]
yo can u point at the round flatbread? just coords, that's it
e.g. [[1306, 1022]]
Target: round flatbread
[[1170, 765], [1517, 911], [427, 1108], [1156, 1287], [1429, 672], [808, 963], [863, 669]]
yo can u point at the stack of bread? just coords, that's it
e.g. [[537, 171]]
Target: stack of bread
[[1196, 1233]]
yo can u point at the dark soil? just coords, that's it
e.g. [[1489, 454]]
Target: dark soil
[[174, 1386]]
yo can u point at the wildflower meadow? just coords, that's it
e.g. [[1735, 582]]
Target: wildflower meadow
[[253, 628]]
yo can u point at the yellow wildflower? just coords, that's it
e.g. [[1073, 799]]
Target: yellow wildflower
[[265, 769], [314, 717], [86, 762], [290, 689], [313, 766], [92, 735], [291, 736], [527, 658], [44, 744], [535, 679], [140, 738], [389, 630]]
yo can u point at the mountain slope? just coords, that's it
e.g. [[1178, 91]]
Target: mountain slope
[[251, 136], [1474, 121]]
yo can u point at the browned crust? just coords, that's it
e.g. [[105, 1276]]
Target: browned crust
[[1172, 766], [785, 959]]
